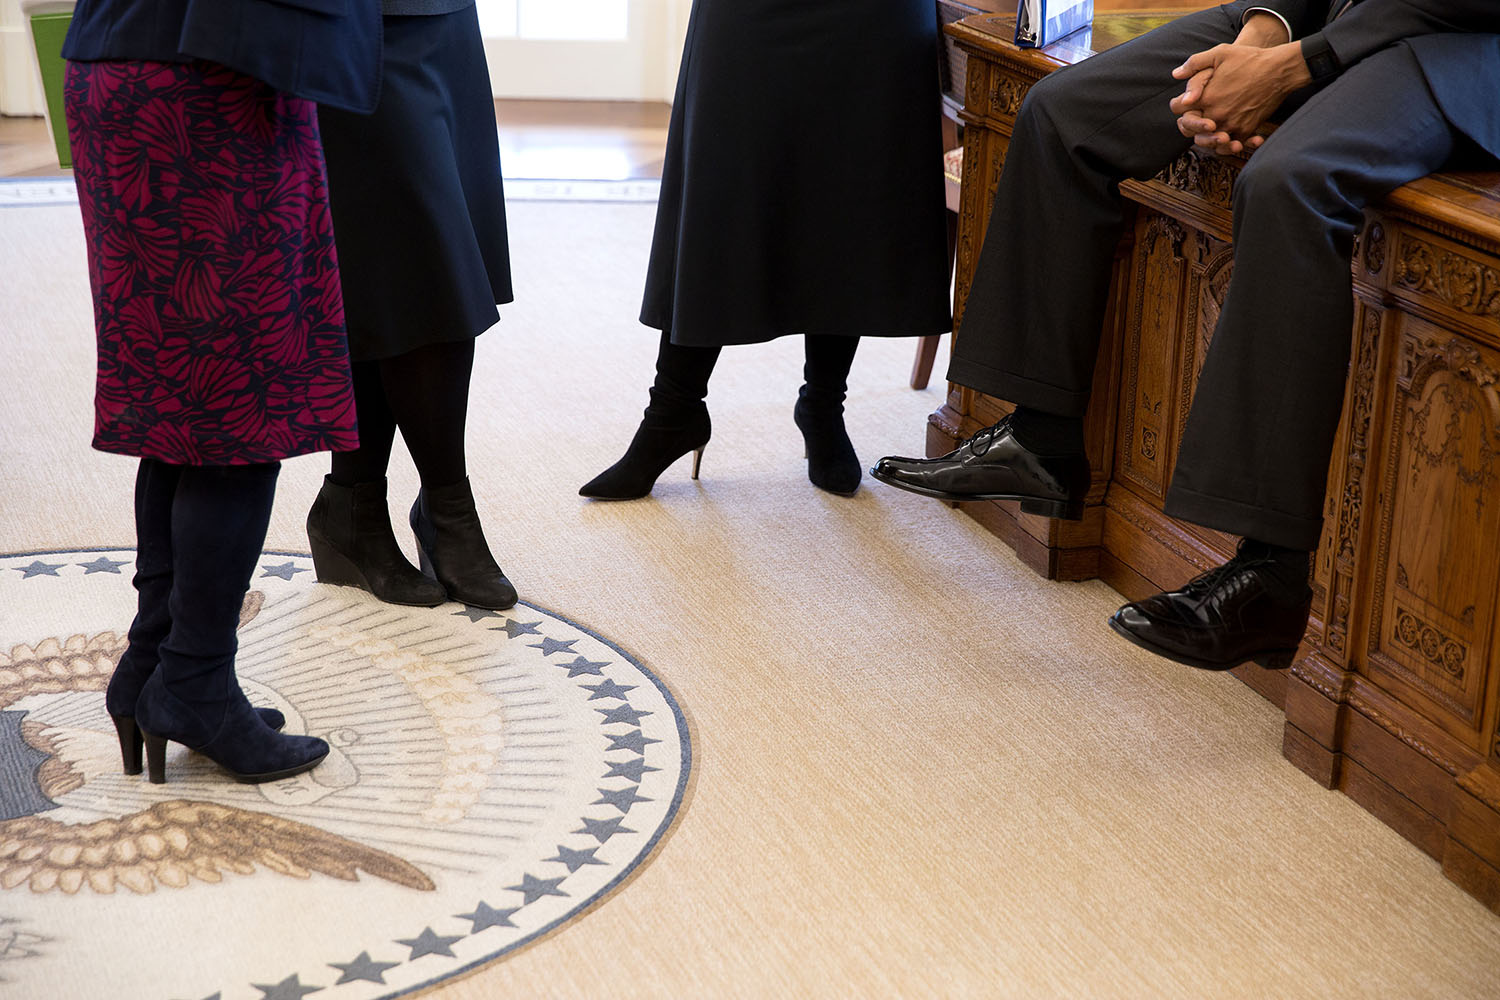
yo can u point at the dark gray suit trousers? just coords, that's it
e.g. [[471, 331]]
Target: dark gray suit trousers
[[1254, 456]]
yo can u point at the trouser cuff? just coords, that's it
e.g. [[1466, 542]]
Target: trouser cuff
[[1018, 389], [1290, 531]]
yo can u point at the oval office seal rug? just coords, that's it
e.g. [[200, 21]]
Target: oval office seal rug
[[493, 775]]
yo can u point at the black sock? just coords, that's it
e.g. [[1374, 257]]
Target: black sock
[[1047, 433], [1289, 568]]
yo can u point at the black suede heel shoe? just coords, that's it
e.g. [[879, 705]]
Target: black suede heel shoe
[[658, 442], [452, 549], [125, 688], [832, 464], [238, 741], [349, 533]]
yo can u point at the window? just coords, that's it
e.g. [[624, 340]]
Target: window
[[549, 20]]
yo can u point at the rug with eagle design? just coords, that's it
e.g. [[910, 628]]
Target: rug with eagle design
[[493, 775]]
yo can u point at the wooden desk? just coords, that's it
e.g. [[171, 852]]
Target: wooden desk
[[1393, 698]]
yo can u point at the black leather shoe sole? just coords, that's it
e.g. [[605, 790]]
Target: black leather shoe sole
[[1067, 510], [1271, 659]]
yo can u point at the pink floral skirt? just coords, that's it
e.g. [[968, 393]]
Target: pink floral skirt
[[217, 307]]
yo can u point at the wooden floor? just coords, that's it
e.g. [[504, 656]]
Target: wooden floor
[[543, 140]]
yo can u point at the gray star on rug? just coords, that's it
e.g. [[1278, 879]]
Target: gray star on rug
[[486, 916], [575, 859], [622, 799], [609, 689], [584, 666], [289, 988], [621, 713], [475, 614], [513, 628], [363, 968], [602, 829], [550, 646], [534, 888], [633, 740], [103, 565], [286, 570], [632, 769], [39, 568], [428, 943]]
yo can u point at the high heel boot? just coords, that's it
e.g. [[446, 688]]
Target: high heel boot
[[155, 483], [452, 549], [349, 532], [675, 423], [218, 523], [832, 463]]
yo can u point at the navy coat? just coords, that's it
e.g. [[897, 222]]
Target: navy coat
[[324, 50]]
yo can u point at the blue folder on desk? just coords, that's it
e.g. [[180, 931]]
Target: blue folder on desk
[[1042, 22]]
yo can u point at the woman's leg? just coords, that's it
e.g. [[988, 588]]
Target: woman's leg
[[832, 464], [349, 525], [428, 392], [218, 525], [675, 423]]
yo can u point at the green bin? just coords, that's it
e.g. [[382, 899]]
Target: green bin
[[48, 31]]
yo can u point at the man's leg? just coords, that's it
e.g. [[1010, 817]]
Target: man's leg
[[1031, 325], [1254, 457], [1030, 329]]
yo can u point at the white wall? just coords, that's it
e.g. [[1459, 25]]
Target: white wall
[[20, 88], [645, 69]]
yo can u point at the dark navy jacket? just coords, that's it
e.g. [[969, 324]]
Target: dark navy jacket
[[327, 51], [1456, 42]]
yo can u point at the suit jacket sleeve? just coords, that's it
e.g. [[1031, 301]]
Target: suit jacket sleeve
[[1374, 24]]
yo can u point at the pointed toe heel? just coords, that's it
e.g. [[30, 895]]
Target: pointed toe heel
[[658, 443]]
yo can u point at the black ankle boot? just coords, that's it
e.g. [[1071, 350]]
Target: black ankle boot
[[349, 532], [832, 464], [451, 545], [665, 435]]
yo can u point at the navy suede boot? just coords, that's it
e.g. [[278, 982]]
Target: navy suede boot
[[218, 523], [155, 484]]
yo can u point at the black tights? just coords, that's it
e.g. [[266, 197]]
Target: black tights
[[682, 373], [425, 393]]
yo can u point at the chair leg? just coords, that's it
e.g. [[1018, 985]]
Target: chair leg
[[927, 347], [921, 368]]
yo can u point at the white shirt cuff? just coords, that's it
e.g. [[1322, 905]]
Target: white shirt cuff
[[1266, 10]]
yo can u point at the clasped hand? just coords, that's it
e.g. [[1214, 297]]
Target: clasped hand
[[1233, 89]]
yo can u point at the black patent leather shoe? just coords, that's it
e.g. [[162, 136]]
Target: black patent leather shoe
[[1233, 614], [993, 465]]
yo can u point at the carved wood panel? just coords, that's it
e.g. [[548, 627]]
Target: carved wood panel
[[1434, 608], [1148, 405]]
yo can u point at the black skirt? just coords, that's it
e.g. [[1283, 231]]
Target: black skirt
[[418, 203], [803, 186]]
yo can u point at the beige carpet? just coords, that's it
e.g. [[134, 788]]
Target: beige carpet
[[920, 771]]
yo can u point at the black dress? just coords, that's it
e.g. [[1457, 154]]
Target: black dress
[[418, 203], [803, 188]]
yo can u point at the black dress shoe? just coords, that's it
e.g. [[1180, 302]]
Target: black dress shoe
[[993, 465], [1233, 614]]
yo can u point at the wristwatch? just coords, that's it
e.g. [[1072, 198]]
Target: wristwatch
[[1321, 60]]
